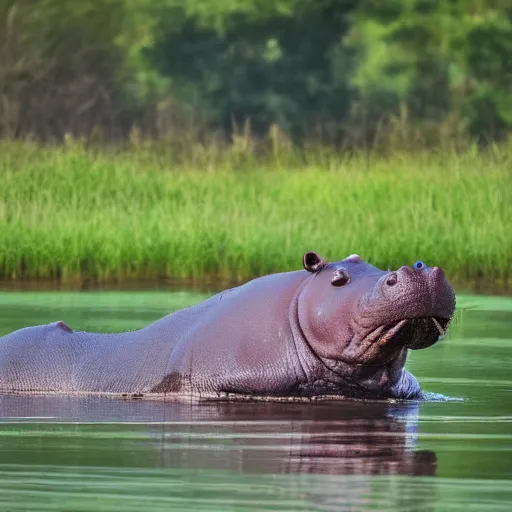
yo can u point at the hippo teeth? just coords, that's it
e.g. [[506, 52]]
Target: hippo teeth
[[442, 331]]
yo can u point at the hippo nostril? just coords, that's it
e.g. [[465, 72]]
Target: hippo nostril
[[392, 279]]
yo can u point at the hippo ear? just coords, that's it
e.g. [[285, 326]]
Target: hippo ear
[[313, 262]]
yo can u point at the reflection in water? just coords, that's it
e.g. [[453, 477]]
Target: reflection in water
[[343, 438], [336, 438], [327, 451]]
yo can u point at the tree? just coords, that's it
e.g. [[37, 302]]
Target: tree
[[440, 59]]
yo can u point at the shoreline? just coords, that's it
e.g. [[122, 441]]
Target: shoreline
[[475, 287]]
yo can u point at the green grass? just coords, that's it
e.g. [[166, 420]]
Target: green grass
[[69, 213]]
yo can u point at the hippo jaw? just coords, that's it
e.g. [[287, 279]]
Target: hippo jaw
[[381, 344]]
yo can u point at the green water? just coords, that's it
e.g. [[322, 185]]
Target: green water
[[91, 455]]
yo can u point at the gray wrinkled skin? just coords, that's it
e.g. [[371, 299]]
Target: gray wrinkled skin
[[339, 328]]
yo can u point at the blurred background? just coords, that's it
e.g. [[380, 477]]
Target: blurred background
[[345, 72], [232, 136]]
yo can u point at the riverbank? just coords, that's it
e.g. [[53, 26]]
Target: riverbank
[[74, 215]]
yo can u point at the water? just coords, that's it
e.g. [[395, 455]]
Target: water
[[91, 454]]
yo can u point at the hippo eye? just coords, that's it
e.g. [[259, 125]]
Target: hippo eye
[[419, 264], [340, 277]]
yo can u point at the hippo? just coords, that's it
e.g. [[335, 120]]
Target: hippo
[[340, 329]]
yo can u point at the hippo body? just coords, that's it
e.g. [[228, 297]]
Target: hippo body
[[332, 329]]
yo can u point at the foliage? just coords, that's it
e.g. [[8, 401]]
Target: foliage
[[444, 60], [342, 71], [68, 66]]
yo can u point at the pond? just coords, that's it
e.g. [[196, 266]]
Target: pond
[[99, 454]]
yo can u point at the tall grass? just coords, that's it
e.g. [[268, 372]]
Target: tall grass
[[70, 213]]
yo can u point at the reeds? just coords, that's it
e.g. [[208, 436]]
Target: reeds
[[231, 213]]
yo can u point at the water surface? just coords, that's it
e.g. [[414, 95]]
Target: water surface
[[92, 454]]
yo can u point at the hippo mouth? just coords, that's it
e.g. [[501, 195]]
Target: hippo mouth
[[384, 342], [414, 333], [427, 331]]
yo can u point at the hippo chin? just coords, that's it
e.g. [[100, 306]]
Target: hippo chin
[[340, 329]]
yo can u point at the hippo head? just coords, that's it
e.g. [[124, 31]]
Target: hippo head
[[355, 313]]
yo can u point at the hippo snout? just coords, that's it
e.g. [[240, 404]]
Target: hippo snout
[[410, 292], [428, 286], [415, 301]]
